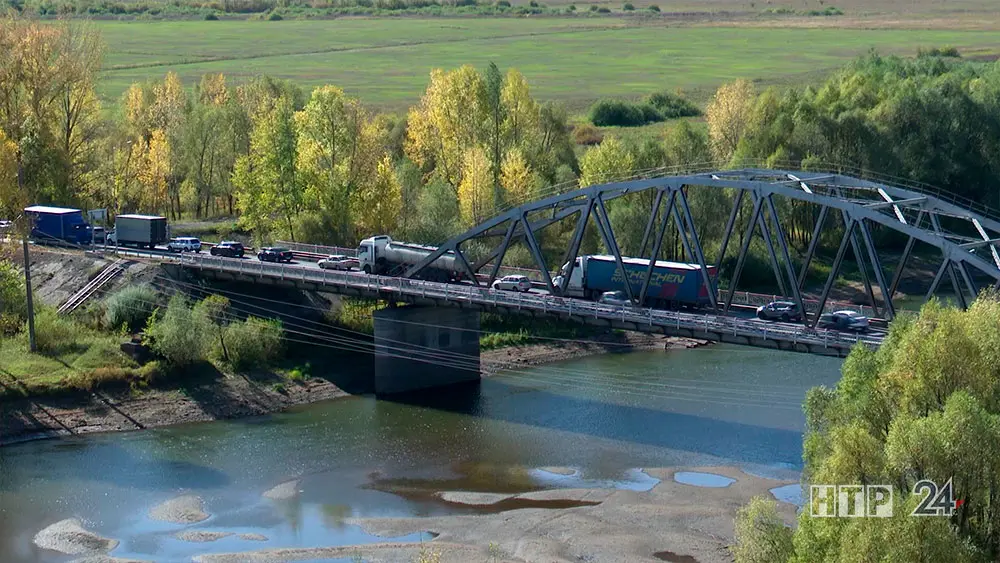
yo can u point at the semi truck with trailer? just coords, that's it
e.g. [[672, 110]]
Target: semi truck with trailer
[[139, 231], [383, 256], [671, 285], [58, 224]]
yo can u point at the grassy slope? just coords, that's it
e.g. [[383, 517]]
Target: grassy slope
[[386, 61]]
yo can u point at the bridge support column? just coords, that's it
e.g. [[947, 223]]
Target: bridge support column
[[424, 347]]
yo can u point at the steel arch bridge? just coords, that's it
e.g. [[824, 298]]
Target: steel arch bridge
[[966, 239]]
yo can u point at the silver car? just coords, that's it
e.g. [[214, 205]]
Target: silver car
[[614, 298], [844, 320], [338, 262], [513, 283], [184, 244]]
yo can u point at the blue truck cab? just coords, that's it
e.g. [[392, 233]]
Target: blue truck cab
[[62, 224]]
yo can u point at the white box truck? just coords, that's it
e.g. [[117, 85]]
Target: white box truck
[[139, 230]]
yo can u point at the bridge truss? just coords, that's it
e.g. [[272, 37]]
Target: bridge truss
[[967, 240]]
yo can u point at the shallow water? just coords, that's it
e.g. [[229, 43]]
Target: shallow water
[[699, 479], [604, 417]]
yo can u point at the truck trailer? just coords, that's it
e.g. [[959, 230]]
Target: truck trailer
[[672, 284], [139, 231], [58, 224], [381, 255]]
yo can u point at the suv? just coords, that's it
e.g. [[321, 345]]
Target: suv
[[274, 254], [184, 244], [844, 320], [513, 283], [779, 311], [229, 248], [614, 298]]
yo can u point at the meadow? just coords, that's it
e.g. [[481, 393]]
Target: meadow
[[386, 61]]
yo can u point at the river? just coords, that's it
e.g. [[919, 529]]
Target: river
[[606, 417]]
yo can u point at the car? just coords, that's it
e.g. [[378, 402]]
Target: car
[[229, 248], [274, 254], [614, 298], [338, 262], [779, 311], [513, 283], [844, 320], [184, 244]]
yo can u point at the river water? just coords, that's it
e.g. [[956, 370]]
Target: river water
[[604, 417]]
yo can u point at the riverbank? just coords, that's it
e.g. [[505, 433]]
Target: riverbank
[[33, 418], [671, 520]]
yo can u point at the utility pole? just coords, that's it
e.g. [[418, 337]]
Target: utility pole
[[27, 285], [27, 263]]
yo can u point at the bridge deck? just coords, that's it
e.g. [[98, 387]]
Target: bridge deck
[[744, 331]]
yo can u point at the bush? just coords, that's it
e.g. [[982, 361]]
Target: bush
[[54, 334], [603, 10], [180, 335], [503, 4], [593, 8], [938, 52], [587, 134], [13, 300], [571, 8], [628, 7], [253, 343], [623, 114], [533, 4], [672, 106], [129, 307], [211, 17], [653, 8], [274, 17]]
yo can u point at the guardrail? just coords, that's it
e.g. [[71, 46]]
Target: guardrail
[[384, 285], [317, 249]]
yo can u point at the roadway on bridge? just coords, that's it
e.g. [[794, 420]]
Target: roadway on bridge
[[743, 313]]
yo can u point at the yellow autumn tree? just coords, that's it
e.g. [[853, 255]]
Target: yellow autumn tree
[[155, 171], [728, 115], [516, 178], [607, 162], [521, 115], [213, 90], [12, 197], [377, 205], [475, 192], [448, 121]]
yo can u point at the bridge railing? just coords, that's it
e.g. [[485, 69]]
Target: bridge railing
[[317, 248], [385, 286]]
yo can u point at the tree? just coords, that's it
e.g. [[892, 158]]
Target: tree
[[447, 122], [925, 405], [761, 535], [12, 197], [214, 310], [516, 178], [213, 90], [475, 193], [269, 192], [179, 336], [728, 115], [493, 85], [607, 162], [154, 173], [378, 204], [342, 146]]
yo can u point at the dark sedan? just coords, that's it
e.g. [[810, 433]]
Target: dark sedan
[[229, 248], [274, 254]]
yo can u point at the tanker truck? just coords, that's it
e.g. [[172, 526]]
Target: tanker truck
[[383, 256]]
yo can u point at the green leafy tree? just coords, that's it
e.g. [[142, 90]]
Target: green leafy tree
[[179, 335], [269, 190]]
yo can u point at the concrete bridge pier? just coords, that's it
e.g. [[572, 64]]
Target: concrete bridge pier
[[420, 348]]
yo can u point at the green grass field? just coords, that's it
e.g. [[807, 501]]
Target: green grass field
[[386, 61]]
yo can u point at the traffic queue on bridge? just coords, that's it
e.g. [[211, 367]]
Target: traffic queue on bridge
[[667, 285]]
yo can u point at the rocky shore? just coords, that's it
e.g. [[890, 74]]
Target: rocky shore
[[234, 396]]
